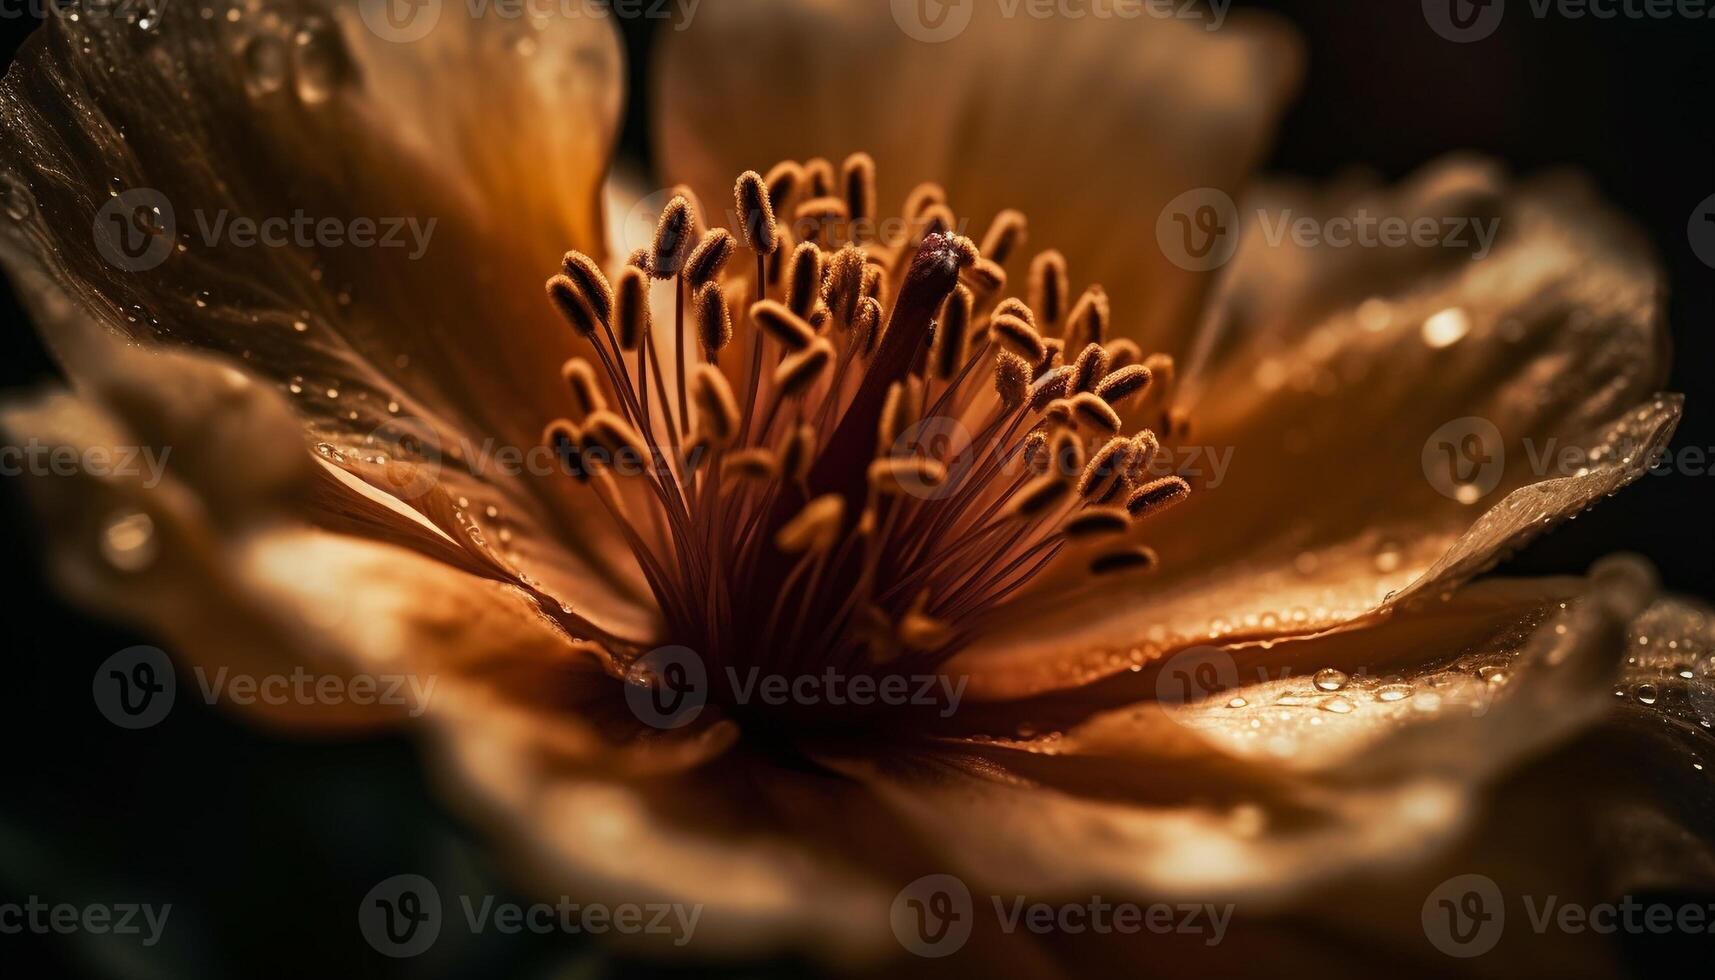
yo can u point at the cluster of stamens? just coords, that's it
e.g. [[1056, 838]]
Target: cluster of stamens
[[885, 453]]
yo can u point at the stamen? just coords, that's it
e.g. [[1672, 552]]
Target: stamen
[[572, 304], [1125, 560], [797, 372], [592, 284], [1049, 287], [842, 288], [631, 312], [1088, 323], [1092, 411], [1011, 379], [1017, 337], [1093, 523], [782, 182], [804, 282], [797, 452], [579, 377], [816, 528], [1006, 234], [717, 408], [674, 239], [819, 177], [782, 324], [857, 176], [714, 323], [709, 257], [1122, 384], [1089, 368], [953, 338], [756, 214], [1106, 471], [1157, 496], [1040, 496], [756, 465]]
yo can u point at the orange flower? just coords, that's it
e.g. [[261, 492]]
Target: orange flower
[[863, 450]]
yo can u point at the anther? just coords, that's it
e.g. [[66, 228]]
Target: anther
[[1144, 446], [857, 177], [897, 414], [572, 304], [1088, 323], [1135, 559], [714, 322], [755, 214], [1089, 368], [1162, 370], [1018, 338], [1093, 523], [816, 214], [953, 336], [798, 372], [920, 632], [1066, 453], [1054, 385], [709, 257], [631, 307], [607, 431], [866, 329], [782, 182], [985, 277], [797, 452], [782, 324], [1039, 496], [1092, 411], [717, 408], [580, 378], [1011, 379], [754, 465], [1156, 496], [583, 270], [815, 528], [804, 280], [842, 286], [1048, 288], [1035, 451], [566, 443], [675, 236], [1005, 234], [695, 206], [1123, 383], [892, 475], [819, 177], [1015, 307], [638, 259], [1107, 469], [1123, 353], [1052, 348], [923, 197]]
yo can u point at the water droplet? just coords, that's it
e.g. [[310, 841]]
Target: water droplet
[[202, 299], [1446, 328], [1467, 493], [1329, 679], [1388, 557], [1684, 671], [1391, 693], [128, 540], [320, 61], [300, 326], [1646, 693], [14, 197], [264, 65], [1493, 674], [1237, 703], [1339, 706]]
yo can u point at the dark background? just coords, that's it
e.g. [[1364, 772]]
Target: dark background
[[266, 848]]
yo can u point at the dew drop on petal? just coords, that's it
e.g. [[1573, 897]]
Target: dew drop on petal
[[1446, 328], [1646, 693], [1339, 706], [1391, 693], [1329, 679], [128, 540], [264, 65]]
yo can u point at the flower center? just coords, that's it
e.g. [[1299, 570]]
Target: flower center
[[885, 457]]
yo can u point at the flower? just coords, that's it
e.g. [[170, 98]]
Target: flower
[[334, 494]]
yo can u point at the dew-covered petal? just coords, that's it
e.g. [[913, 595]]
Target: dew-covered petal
[[1341, 801], [344, 213], [1336, 383], [1089, 125]]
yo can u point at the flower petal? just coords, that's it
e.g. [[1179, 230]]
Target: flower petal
[[1279, 795], [343, 213], [1130, 115], [1324, 414]]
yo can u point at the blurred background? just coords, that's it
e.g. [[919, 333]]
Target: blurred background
[[265, 848]]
